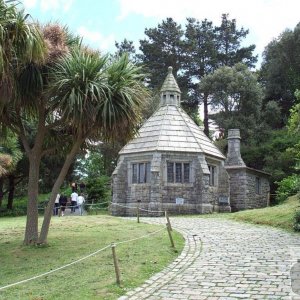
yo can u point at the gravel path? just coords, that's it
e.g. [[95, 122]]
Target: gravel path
[[223, 259]]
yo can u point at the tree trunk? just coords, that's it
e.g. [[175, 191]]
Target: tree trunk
[[205, 105], [1, 190], [11, 191], [31, 231], [59, 181]]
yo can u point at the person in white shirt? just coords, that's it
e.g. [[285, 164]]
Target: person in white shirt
[[74, 198], [80, 202], [56, 205]]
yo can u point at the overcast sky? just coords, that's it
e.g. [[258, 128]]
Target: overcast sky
[[102, 22]]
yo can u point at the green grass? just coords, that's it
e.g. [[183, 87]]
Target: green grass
[[71, 238], [281, 215]]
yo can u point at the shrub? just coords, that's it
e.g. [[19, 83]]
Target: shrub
[[15, 212], [287, 187], [98, 189], [297, 221]]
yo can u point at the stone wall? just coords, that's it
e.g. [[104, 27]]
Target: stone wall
[[238, 184], [254, 199], [243, 194], [158, 194]]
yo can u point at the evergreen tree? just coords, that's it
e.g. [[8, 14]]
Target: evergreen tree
[[162, 48], [280, 72], [228, 42]]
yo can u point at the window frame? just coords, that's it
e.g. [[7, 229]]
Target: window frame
[[179, 170], [212, 175], [140, 172], [257, 185]]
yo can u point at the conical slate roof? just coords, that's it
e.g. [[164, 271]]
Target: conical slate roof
[[170, 84], [171, 129]]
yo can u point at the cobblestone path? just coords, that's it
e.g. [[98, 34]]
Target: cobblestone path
[[223, 259]]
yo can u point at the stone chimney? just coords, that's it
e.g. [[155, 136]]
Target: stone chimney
[[234, 149]]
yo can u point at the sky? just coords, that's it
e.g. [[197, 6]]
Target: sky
[[102, 22]]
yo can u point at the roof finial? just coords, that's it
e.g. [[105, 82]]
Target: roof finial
[[170, 70]]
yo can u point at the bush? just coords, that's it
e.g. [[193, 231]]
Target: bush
[[297, 221], [15, 212], [98, 190], [287, 187]]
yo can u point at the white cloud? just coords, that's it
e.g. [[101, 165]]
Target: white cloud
[[265, 19], [29, 3], [64, 5], [96, 39], [49, 5]]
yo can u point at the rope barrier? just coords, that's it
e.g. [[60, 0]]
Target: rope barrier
[[79, 260], [141, 237], [57, 269], [135, 207]]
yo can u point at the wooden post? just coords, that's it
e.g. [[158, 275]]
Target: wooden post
[[138, 211], [59, 214], [117, 270], [168, 220], [170, 236]]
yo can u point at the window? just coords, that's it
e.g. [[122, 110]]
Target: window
[[257, 185], [140, 172], [212, 170], [178, 172]]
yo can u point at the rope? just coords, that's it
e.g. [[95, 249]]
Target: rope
[[135, 207], [124, 205], [52, 271], [78, 260], [154, 211], [141, 237]]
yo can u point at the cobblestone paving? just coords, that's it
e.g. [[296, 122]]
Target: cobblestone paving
[[225, 260]]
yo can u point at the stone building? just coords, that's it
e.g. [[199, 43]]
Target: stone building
[[172, 165]]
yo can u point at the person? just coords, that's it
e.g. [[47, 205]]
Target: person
[[63, 202], [56, 205], [74, 198], [82, 187], [80, 202], [74, 187]]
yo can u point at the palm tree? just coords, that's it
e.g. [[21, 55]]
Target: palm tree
[[99, 98]]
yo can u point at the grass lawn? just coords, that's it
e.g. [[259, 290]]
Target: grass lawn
[[71, 238], [281, 215]]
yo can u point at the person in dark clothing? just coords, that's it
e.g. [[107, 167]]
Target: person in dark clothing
[[82, 187], [63, 202]]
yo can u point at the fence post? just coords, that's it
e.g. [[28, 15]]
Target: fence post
[[168, 220], [117, 270], [138, 211], [170, 236]]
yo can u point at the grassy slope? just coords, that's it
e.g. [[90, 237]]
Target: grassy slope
[[278, 216], [71, 238]]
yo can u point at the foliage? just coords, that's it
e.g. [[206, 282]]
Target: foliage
[[10, 152], [235, 93], [280, 71], [20, 206], [287, 187], [162, 48], [98, 189], [126, 47], [193, 52], [297, 221]]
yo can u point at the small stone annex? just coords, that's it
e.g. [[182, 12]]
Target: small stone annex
[[172, 165]]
